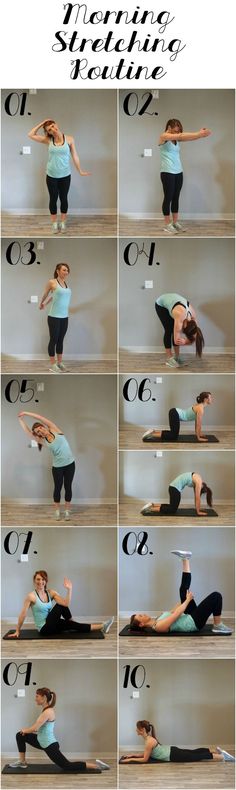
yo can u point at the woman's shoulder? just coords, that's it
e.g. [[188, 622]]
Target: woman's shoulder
[[69, 138]]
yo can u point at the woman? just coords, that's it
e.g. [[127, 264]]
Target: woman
[[61, 148], [155, 751], [41, 736], [176, 416], [191, 480], [172, 171], [49, 619], [47, 434], [187, 616], [58, 314], [178, 317]]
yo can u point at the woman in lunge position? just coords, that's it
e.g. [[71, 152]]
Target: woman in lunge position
[[172, 172], [47, 434], [53, 619], [186, 616], [61, 148]]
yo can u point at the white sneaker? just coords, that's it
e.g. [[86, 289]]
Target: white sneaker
[[67, 515], [57, 515], [146, 507], [55, 368], [63, 226], [55, 227], [148, 433], [180, 228], [184, 555], [171, 363], [170, 228], [18, 764], [107, 625], [221, 629], [102, 765], [226, 755], [62, 367]]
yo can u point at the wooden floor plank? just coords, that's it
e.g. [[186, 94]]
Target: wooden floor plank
[[40, 225], [195, 228], [41, 366], [171, 647], [131, 439], [14, 514], [172, 776], [60, 648], [155, 363], [129, 516]]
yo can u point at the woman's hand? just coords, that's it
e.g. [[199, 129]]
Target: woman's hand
[[189, 596], [67, 583], [22, 413], [41, 306], [15, 635], [84, 173], [205, 132], [201, 513], [24, 731], [202, 439]]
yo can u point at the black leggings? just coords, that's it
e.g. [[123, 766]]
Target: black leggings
[[168, 324], [59, 619], [189, 755], [212, 604], [53, 752], [57, 330], [63, 474], [175, 497], [58, 187], [172, 184], [174, 422]]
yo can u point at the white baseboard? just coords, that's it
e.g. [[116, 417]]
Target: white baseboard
[[186, 352], [76, 212], [66, 357], [143, 215], [185, 428], [30, 501]]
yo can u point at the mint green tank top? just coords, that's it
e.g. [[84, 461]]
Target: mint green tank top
[[183, 480], [160, 752], [186, 415], [45, 734], [58, 165], [169, 300], [184, 622], [40, 611], [60, 302], [60, 449], [170, 161]]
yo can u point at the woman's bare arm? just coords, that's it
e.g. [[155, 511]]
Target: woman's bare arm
[[76, 159], [184, 137]]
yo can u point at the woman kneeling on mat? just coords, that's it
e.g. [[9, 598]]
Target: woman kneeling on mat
[[58, 314], [155, 751], [49, 619], [41, 736], [47, 434], [187, 616], [178, 317], [190, 479], [176, 416]]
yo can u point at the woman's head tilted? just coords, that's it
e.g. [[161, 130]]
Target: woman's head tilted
[[174, 125], [44, 696], [62, 270], [204, 397], [144, 728], [50, 129], [194, 335], [40, 578], [39, 430]]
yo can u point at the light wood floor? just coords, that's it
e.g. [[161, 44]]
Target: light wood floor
[[129, 516], [154, 227], [40, 225], [197, 776], [60, 648], [17, 366], [155, 363], [131, 439], [108, 779], [172, 646], [14, 514]]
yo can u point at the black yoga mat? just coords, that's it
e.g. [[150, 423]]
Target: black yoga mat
[[31, 633], [182, 511], [47, 768], [133, 762], [206, 631], [184, 437]]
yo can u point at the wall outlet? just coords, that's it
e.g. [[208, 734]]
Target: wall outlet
[[148, 284], [34, 299], [33, 91], [26, 149], [24, 558], [20, 692], [33, 443], [40, 245], [158, 454], [155, 94], [135, 694], [40, 386], [147, 152], [158, 380]]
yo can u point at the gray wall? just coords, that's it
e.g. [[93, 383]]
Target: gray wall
[[182, 392], [200, 269], [191, 703], [84, 407], [143, 476], [90, 116], [212, 567], [92, 326], [87, 557], [208, 164], [85, 710]]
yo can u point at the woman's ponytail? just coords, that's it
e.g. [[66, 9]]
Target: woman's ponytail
[[203, 396], [194, 335], [206, 490], [149, 728]]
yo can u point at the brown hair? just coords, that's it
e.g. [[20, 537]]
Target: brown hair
[[206, 490], [50, 696], [172, 123], [149, 728], [43, 574], [37, 425], [134, 624], [59, 266], [203, 395], [45, 128], [192, 329]]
